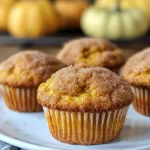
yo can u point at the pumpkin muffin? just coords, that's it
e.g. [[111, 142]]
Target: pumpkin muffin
[[94, 52], [21, 74], [85, 105], [137, 72]]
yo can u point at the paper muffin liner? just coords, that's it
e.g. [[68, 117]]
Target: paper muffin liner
[[85, 128], [141, 101], [21, 99]]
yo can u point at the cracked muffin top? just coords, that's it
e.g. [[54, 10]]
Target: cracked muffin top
[[29, 68], [137, 69], [85, 89], [94, 52]]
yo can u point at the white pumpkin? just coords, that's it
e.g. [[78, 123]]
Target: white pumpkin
[[114, 23], [140, 4]]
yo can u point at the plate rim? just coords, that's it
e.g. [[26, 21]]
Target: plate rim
[[30, 146], [23, 144], [34, 146]]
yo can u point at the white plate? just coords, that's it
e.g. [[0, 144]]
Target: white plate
[[30, 131]]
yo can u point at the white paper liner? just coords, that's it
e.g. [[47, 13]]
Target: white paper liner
[[85, 128], [141, 101], [21, 99]]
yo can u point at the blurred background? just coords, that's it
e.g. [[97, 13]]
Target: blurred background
[[47, 24]]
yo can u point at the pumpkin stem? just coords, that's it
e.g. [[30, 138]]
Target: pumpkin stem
[[118, 5]]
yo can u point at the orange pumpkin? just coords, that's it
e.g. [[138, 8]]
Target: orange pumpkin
[[70, 12], [5, 7], [29, 18]]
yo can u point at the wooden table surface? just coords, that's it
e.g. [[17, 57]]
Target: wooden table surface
[[8, 50]]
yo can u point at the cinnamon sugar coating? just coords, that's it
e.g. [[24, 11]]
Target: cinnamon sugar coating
[[29, 68], [94, 52], [137, 69], [85, 89]]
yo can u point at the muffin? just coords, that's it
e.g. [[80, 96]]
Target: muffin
[[70, 12], [137, 72], [94, 52], [21, 74], [85, 105]]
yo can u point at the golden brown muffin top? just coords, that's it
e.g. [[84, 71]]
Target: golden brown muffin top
[[85, 89], [137, 69], [94, 52], [29, 68]]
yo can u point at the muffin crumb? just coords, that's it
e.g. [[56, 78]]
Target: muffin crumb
[[83, 88], [137, 69], [29, 68], [94, 52]]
